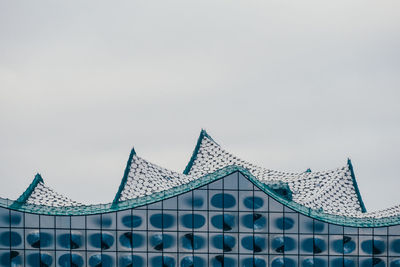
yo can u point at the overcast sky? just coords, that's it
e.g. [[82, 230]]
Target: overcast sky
[[289, 85]]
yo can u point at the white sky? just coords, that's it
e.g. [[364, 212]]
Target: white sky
[[289, 85]]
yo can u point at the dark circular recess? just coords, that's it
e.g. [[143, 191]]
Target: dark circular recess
[[42, 259], [103, 240], [253, 202], [193, 220], [131, 221], [131, 240], [191, 241], [343, 262], [254, 221], [255, 244], [224, 222], [10, 239], [283, 244], [191, 261], [345, 245], [70, 241], [395, 245], [163, 261], [376, 262], [395, 263], [254, 262], [39, 239], [197, 202], [14, 219], [221, 260], [131, 261], [100, 260], [284, 223], [12, 258], [311, 262], [162, 220], [103, 221], [223, 201], [161, 241], [373, 246], [313, 245], [283, 262], [225, 242], [70, 260]]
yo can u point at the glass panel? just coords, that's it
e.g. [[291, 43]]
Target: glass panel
[[231, 181]]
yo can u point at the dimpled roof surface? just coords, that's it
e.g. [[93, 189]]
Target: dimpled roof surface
[[333, 191]]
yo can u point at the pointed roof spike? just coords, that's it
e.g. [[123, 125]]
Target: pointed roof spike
[[308, 170], [28, 192], [203, 134], [125, 177], [353, 178]]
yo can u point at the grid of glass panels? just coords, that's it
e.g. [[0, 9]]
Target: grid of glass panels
[[229, 222]]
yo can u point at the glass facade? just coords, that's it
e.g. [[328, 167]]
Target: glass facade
[[229, 222]]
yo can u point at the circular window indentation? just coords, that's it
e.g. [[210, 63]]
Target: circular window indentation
[[221, 260], [100, 260], [103, 240], [197, 202], [14, 219], [345, 245], [343, 262], [254, 262], [283, 262], [191, 241], [373, 246], [253, 202], [376, 262], [191, 261], [162, 220], [39, 239], [224, 222], [131, 240], [284, 223], [255, 220], [311, 262], [395, 245], [10, 239], [193, 220], [313, 245], [163, 261], [131, 260], [161, 241], [131, 221], [42, 259], [255, 244], [225, 242], [283, 244], [225, 201], [12, 258], [69, 260], [70, 241]]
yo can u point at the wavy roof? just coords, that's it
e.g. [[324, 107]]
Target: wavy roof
[[334, 191]]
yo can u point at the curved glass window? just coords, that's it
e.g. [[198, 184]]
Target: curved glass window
[[345, 245], [395, 245], [313, 245], [161, 241], [282, 244], [70, 260], [39, 240], [191, 261], [221, 261], [193, 220], [103, 240], [373, 246], [10, 239], [131, 240], [131, 260], [131, 221], [12, 258], [376, 262], [197, 202], [253, 202], [42, 259], [225, 242], [190, 241], [223, 221], [283, 262], [162, 220], [284, 223], [100, 260], [254, 262], [255, 220], [70, 241], [311, 262], [343, 262], [256, 243], [163, 261], [225, 201]]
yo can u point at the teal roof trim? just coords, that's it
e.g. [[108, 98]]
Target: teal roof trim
[[353, 178], [203, 134], [133, 203], [25, 195], [125, 177]]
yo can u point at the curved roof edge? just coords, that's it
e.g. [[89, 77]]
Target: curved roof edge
[[28, 192], [132, 203], [125, 177], [353, 178], [203, 134]]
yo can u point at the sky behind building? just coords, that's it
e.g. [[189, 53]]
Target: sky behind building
[[287, 85]]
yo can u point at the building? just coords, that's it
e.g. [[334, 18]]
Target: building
[[221, 211]]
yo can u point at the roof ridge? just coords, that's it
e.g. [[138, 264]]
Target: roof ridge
[[353, 178], [28, 191], [125, 177]]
